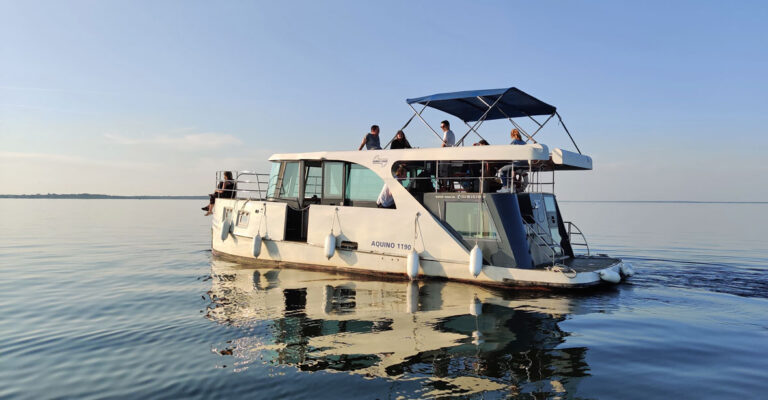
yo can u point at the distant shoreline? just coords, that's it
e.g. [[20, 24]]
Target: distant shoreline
[[89, 196]]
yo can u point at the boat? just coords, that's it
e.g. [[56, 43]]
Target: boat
[[486, 214]]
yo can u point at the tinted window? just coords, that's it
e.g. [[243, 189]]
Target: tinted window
[[549, 203], [470, 219], [363, 184], [314, 182], [289, 189], [334, 175], [273, 179]]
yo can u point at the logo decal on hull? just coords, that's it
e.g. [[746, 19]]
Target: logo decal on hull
[[380, 161]]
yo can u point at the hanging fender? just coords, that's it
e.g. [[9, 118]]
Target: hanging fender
[[256, 245], [330, 245], [226, 227], [412, 265], [475, 261]]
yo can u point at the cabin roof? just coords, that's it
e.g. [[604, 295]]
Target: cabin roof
[[560, 159]]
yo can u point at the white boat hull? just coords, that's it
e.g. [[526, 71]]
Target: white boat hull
[[451, 261]]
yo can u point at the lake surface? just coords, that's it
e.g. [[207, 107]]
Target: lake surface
[[122, 299]]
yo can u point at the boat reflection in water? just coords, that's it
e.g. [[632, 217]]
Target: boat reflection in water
[[452, 338]]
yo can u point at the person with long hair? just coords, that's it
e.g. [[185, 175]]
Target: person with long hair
[[516, 138], [400, 142], [226, 189]]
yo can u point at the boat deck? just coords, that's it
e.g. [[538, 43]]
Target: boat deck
[[589, 264]]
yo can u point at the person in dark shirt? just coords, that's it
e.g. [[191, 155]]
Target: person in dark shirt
[[371, 140], [226, 189], [400, 142]]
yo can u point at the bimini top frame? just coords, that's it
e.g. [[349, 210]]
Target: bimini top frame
[[480, 105]]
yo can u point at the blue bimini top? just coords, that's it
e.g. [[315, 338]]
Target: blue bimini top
[[469, 105]]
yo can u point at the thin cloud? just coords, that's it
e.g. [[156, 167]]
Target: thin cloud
[[189, 141], [52, 159]]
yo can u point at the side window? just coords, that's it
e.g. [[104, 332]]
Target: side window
[[333, 173], [273, 173], [242, 219], [470, 219], [313, 179], [363, 184], [289, 185]]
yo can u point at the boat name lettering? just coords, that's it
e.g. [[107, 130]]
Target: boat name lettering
[[390, 245]]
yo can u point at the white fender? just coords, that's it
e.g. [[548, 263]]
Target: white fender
[[610, 275], [330, 245], [475, 261], [627, 270], [412, 265], [225, 228], [256, 245]]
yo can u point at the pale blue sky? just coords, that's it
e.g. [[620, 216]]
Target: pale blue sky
[[132, 97]]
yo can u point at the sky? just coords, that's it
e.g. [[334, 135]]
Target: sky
[[151, 98]]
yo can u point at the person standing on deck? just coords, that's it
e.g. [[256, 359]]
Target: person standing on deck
[[371, 140], [400, 142], [449, 139]]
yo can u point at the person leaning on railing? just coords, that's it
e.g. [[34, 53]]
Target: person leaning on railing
[[226, 189]]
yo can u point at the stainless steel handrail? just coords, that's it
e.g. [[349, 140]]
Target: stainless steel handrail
[[578, 232], [551, 246], [253, 187]]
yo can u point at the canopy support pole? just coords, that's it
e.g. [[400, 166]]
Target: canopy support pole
[[418, 114], [482, 117], [406, 124], [519, 128], [473, 130], [566, 131], [542, 125], [534, 120]]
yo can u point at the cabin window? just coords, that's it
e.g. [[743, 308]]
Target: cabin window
[[313, 182], [470, 219], [289, 185], [242, 219], [333, 182], [363, 185], [226, 214], [273, 174], [420, 175]]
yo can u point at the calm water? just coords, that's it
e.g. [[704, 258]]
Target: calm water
[[120, 298]]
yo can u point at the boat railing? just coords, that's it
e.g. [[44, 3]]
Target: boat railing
[[574, 230], [248, 185], [539, 235], [486, 177]]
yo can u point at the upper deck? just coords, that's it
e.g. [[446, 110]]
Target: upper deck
[[557, 159]]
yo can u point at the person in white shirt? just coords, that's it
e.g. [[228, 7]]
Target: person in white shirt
[[448, 137], [385, 199]]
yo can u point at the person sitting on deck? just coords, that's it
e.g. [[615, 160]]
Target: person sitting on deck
[[385, 199], [482, 142], [226, 189], [371, 140], [400, 142], [448, 137], [516, 139]]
